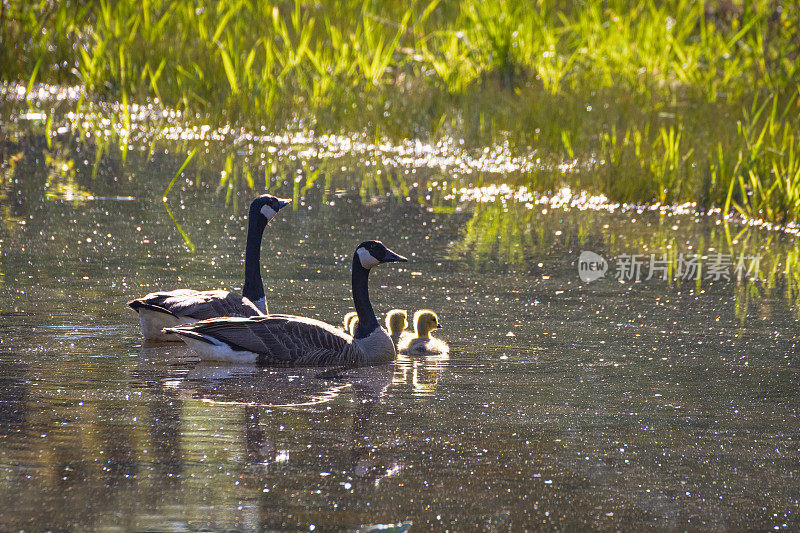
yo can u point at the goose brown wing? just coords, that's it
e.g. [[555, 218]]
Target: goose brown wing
[[281, 338], [198, 305]]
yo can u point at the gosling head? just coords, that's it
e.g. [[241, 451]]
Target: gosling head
[[425, 321], [349, 318], [353, 326], [373, 253], [396, 321], [268, 206]]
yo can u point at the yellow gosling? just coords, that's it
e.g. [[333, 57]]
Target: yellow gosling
[[425, 321], [347, 319], [396, 323], [353, 326]]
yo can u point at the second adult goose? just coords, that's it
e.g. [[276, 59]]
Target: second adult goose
[[300, 341], [159, 310]]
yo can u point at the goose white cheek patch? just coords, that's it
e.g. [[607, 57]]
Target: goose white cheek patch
[[268, 212], [367, 261]]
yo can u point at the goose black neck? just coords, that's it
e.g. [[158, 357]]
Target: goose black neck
[[253, 285], [367, 323]]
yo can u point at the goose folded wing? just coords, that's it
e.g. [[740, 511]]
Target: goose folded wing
[[230, 304], [198, 305], [279, 338], [162, 301]]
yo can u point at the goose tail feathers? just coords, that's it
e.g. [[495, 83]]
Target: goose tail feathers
[[188, 333]]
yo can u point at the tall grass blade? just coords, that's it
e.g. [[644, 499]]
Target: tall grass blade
[[187, 241], [177, 174]]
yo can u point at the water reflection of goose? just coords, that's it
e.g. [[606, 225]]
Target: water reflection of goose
[[158, 373], [269, 387], [300, 341], [159, 310], [258, 388], [425, 321], [261, 386], [281, 387], [368, 462]]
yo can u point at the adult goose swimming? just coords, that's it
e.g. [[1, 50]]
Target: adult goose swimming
[[159, 310], [300, 341]]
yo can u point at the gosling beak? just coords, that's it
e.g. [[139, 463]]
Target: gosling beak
[[283, 202], [392, 257], [439, 326]]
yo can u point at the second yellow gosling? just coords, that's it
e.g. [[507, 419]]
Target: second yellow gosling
[[353, 326], [396, 324], [348, 318], [425, 321]]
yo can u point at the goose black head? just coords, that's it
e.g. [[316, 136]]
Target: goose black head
[[372, 253], [268, 205]]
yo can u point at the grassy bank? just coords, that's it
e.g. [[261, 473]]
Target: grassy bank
[[671, 101]]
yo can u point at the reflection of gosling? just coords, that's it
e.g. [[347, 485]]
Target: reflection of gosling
[[396, 323], [348, 318], [425, 321]]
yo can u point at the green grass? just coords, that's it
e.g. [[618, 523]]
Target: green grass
[[680, 100]]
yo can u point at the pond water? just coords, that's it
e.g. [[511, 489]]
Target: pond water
[[564, 404]]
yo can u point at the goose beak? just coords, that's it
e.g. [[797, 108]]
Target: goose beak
[[392, 257], [283, 202]]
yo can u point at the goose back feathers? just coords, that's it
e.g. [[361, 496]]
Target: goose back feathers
[[283, 340], [158, 310]]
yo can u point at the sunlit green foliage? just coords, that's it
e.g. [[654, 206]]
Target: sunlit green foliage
[[204, 54], [675, 100]]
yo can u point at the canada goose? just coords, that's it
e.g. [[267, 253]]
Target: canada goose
[[348, 318], [300, 341], [396, 324], [159, 310], [425, 321]]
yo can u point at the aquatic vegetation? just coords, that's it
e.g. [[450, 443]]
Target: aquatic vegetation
[[766, 171], [714, 47], [517, 227], [634, 99]]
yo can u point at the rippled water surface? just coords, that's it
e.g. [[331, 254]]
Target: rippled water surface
[[563, 404]]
